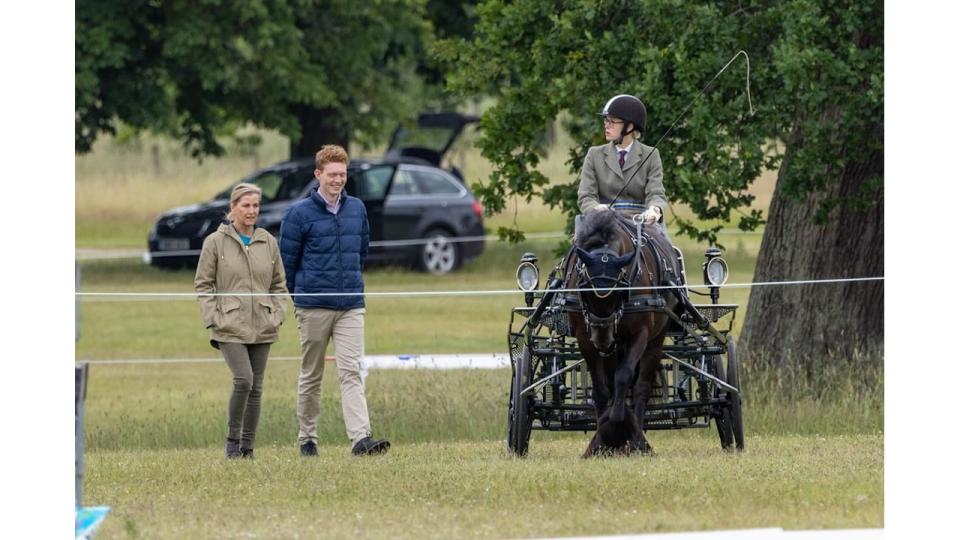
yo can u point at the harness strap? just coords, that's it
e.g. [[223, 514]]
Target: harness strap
[[639, 302], [644, 302]]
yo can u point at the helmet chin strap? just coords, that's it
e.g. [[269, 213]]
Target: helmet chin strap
[[623, 133]]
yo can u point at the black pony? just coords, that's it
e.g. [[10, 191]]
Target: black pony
[[620, 332]]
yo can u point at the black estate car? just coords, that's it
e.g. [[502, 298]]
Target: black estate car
[[419, 213]]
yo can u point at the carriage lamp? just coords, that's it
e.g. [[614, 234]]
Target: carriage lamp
[[528, 276], [715, 272]]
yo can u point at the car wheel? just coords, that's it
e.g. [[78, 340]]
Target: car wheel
[[439, 254]]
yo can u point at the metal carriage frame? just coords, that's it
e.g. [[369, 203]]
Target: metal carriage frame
[[696, 385]]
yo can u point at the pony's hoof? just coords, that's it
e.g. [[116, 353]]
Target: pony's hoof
[[644, 449]]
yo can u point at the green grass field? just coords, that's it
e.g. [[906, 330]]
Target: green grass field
[[470, 489], [154, 431], [154, 453]]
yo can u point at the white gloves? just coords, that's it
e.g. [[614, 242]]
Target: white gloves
[[651, 216]]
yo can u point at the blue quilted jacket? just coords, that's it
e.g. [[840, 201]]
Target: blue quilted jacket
[[324, 252]]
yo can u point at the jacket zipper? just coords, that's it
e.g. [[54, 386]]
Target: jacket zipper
[[246, 252], [253, 300], [336, 218]]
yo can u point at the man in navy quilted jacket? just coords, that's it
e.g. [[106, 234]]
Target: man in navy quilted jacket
[[324, 240]]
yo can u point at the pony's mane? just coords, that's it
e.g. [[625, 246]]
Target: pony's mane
[[597, 229]]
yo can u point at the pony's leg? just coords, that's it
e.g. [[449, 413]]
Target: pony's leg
[[626, 371], [610, 438], [600, 392], [595, 447], [642, 390]]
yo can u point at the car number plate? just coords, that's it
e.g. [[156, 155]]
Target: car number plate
[[173, 244]]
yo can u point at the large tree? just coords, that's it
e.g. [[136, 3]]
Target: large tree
[[816, 81], [826, 217], [317, 71]]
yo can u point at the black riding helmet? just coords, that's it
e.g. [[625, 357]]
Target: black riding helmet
[[630, 110]]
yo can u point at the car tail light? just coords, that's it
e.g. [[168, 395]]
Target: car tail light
[[478, 209]]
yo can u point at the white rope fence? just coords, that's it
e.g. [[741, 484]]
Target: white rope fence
[[414, 294]]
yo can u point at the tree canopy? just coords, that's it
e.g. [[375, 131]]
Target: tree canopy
[[543, 59], [196, 70]]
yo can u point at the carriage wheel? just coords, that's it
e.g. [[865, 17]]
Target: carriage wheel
[[724, 428], [519, 421], [733, 378]]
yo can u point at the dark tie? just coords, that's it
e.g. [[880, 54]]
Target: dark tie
[[623, 155]]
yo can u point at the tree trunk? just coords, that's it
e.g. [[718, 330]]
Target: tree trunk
[[818, 321], [318, 127]]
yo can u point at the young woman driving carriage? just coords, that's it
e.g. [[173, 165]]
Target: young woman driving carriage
[[624, 160]]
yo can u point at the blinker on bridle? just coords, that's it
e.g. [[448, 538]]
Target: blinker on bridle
[[587, 280]]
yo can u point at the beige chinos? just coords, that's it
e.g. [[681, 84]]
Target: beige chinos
[[317, 326]]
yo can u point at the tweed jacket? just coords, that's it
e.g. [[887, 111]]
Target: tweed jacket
[[227, 266], [601, 177]]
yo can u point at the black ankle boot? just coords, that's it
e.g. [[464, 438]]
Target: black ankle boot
[[232, 449]]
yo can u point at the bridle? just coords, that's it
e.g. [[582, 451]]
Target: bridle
[[585, 280], [622, 279]]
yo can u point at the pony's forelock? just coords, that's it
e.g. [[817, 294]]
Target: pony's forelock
[[598, 228]]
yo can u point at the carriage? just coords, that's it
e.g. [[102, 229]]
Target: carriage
[[696, 383]]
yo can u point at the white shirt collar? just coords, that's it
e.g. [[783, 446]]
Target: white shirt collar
[[334, 206], [627, 149]]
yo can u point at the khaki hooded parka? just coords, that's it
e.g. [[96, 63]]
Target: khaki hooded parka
[[227, 266]]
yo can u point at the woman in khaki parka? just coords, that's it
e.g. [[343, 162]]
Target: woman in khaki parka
[[240, 258]]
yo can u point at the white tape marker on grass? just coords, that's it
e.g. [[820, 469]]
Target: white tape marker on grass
[[751, 534], [388, 361]]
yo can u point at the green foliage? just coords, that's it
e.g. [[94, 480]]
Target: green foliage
[[813, 79], [196, 70], [830, 57]]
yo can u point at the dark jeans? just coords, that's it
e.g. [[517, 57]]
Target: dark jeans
[[248, 363]]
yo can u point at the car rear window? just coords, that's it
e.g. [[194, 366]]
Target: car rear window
[[423, 183]]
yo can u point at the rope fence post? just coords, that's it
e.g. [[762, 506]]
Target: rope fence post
[[80, 375]]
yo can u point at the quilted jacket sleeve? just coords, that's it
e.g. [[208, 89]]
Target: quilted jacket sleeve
[[291, 246], [364, 239]]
